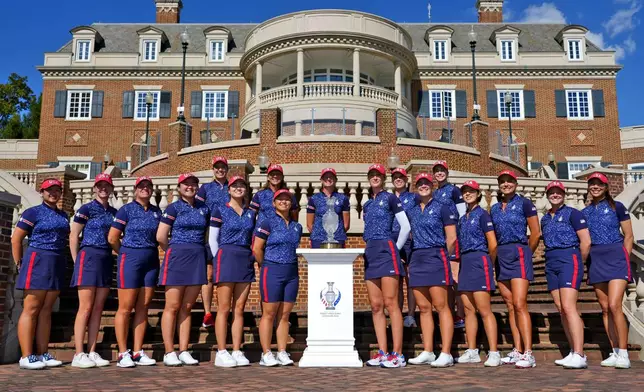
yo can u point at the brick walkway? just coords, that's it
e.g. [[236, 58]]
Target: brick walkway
[[545, 377]]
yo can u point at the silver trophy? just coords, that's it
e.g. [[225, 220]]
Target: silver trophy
[[329, 296], [330, 222]]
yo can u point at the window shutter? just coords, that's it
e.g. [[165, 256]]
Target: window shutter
[[562, 170], [560, 103], [95, 169], [423, 103], [233, 104], [195, 104], [60, 104], [529, 104], [165, 107], [461, 103], [492, 104], [128, 104], [599, 109], [97, 104]]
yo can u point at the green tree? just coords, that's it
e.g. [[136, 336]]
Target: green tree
[[15, 98], [31, 121]]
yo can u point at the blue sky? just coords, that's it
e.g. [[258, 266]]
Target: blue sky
[[43, 26]]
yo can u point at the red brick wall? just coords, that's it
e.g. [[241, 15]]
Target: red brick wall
[[490, 17], [17, 164], [169, 16], [631, 155]]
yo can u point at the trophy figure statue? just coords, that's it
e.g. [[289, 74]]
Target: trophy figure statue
[[329, 296], [330, 222]]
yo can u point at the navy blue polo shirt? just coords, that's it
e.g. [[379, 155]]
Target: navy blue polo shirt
[[560, 230], [511, 224], [449, 195], [97, 220], [317, 205], [379, 214], [139, 226], [282, 240], [472, 228], [188, 222], [235, 229], [604, 223], [47, 228], [408, 201], [262, 203], [428, 224], [214, 194]]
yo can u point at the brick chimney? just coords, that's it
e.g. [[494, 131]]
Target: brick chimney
[[490, 11], [168, 11]]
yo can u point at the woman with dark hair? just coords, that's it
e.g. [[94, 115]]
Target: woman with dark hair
[[611, 235], [262, 201], [512, 216], [42, 272], [318, 206]]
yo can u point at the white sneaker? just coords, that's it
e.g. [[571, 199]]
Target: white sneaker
[[444, 360], [622, 362], [187, 359], [394, 360], [142, 359], [511, 358], [240, 358], [82, 361], [171, 359], [284, 358], [562, 361], [31, 362], [576, 362], [125, 360], [611, 361], [98, 360], [424, 358], [470, 356], [224, 359], [493, 359], [409, 322], [268, 359], [526, 361], [50, 361], [377, 359]]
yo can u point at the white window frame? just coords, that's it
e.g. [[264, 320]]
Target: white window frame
[[68, 116], [590, 104], [513, 49], [79, 52], [440, 54], [572, 171], [633, 166], [442, 109], [571, 54], [154, 54], [203, 106], [217, 57], [84, 167], [139, 98], [500, 94]]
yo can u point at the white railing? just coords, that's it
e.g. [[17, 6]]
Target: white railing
[[279, 94], [323, 90], [26, 176], [379, 94], [250, 105], [328, 89], [633, 176]]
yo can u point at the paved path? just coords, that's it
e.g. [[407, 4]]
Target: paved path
[[206, 377]]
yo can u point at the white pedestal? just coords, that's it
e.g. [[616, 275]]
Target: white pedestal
[[330, 341]]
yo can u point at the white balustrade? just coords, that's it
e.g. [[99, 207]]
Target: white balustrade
[[379, 94], [322, 90], [633, 176], [279, 94], [26, 176]]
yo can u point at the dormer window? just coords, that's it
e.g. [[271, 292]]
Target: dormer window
[[150, 50], [572, 39], [85, 41], [440, 50], [151, 43], [506, 40], [507, 50], [439, 40], [217, 50], [574, 50], [218, 39], [83, 50]]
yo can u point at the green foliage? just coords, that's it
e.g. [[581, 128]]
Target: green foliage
[[19, 109]]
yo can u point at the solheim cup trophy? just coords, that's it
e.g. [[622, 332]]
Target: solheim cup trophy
[[330, 222]]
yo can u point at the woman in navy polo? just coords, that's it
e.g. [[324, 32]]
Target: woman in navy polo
[[93, 268], [512, 216], [183, 270], [276, 241], [262, 201], [408, 200], [611, 235], [42, 272], [215, 194], [476, 275], [231, 230], [434, 229], [137, 269], [383, 266], [567, 240], [318, 206]]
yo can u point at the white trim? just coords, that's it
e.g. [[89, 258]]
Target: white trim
[[446, 43], [224, 50], [80, 86], [215, 88], [203, 105], [582, 158], [590, 105], [631, 165], [513, 50], [136, 104], [69, 101], [499, 94], [157, 49], [145, 87], [578, 86], [509, 86], [575, 172], [78, 51], [442, 109], [441, 87], [69, 158], [582, 46]]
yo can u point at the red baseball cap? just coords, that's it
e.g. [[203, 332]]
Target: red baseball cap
[[399, 170], [441, 163], [507, 173], [471, 184], [377, 167], [328, 170], [103, 177], [425, 176], [281, 192], [555, 184], [141, 179], [233, 179], [598, 176], [275, 167], [49, 182], [216, 160], [185, 176]]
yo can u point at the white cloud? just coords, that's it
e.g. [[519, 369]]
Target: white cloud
[[621, 50], [630, 45], [544, 13], [623, 20], [597, 39]]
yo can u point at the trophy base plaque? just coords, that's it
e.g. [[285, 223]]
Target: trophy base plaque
[[330, 245]]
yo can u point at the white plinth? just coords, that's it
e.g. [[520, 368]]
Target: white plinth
[[330, 341]]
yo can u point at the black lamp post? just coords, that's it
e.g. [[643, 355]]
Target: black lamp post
[[508, 105], [185, 41], [263, 161], [149, 99], [473, 37]]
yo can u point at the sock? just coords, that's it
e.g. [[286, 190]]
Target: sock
[[622, 353], [222, 351], [615, 350], [492, 352]]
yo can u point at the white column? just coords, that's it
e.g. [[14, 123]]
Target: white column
[[298, 127], [300, 73], [358, 128], [398, 84], [356, 72], [258, 80], [408, 83], [249, 91]]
